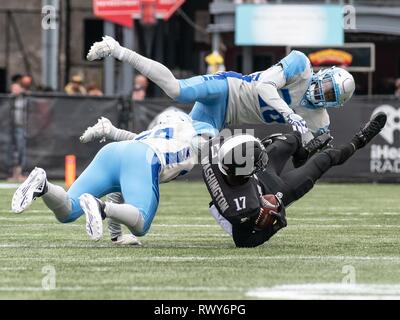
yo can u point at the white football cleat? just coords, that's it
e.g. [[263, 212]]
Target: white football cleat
[[105, 48], [94, 221], [101, 130], [29, 190], [127, 240]]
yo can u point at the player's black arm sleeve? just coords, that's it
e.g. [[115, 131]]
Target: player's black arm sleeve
[[247, 237]]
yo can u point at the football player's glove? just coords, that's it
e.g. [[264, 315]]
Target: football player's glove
[[101, 130], [297, 123], [105, 48], [271, 138], [280, 215]]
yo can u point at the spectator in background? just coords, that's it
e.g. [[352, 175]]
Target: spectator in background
[[93, 90], [17, 147], [16, 88], [26, 83], [140, 87], [397, 88], [75, 86]]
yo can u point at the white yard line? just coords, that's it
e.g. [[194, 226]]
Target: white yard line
[[200, 258], [334, 226], [9, 185], [320, 291], [119, 289], [328, 291], [211, 225], [51, 225]]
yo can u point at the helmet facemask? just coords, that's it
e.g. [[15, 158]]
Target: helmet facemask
[[323, 90], [261, 161]]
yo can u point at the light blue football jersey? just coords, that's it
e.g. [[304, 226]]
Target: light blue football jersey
[[291, 76]]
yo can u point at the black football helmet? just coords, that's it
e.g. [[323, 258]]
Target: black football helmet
[[242, 155]]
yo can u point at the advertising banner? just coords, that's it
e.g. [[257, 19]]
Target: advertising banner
[[355, 57], [289, 25], [378, 161]]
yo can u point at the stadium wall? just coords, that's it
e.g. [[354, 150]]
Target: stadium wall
[[55, 122]]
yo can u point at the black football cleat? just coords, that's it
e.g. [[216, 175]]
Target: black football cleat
[[312, 147], [317, 144], [370, 130]]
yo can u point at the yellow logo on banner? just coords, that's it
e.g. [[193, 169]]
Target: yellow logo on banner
[[330, 57]]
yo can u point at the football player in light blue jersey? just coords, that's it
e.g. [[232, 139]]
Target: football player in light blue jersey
[[288, 92], [134, 167]]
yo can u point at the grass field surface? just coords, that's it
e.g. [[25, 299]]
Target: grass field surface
[[337, 233]]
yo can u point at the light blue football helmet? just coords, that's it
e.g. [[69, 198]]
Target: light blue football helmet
[[330, 88]]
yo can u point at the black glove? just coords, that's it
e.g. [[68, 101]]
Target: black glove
[[281, 221], [280, 215], [271, 138]]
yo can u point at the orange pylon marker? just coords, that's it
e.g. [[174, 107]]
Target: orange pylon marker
[[70, 169]]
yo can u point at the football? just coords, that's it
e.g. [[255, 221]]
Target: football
[[269, 203]]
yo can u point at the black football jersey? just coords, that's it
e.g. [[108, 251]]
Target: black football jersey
[[237, 204], [240, 204]]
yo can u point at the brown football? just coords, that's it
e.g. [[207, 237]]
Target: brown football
[[265, 218]]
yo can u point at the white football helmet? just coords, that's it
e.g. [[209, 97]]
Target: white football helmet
[[330, 88], [171, 114]]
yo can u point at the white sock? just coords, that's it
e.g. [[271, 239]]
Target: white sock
[[114, 228], [122, 135], [126, 214], [155, 71], [58, 201]]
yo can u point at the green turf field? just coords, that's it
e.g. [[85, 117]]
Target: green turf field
[[336, 232]]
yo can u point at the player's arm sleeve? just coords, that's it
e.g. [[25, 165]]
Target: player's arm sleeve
[[294, 65], [318, 120], [247, 237], [270, 81]]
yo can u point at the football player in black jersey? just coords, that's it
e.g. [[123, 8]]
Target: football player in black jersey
[[240, 170]]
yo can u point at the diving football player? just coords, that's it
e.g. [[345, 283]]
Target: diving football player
[[244, 169], [288, 92], [134, 167]]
